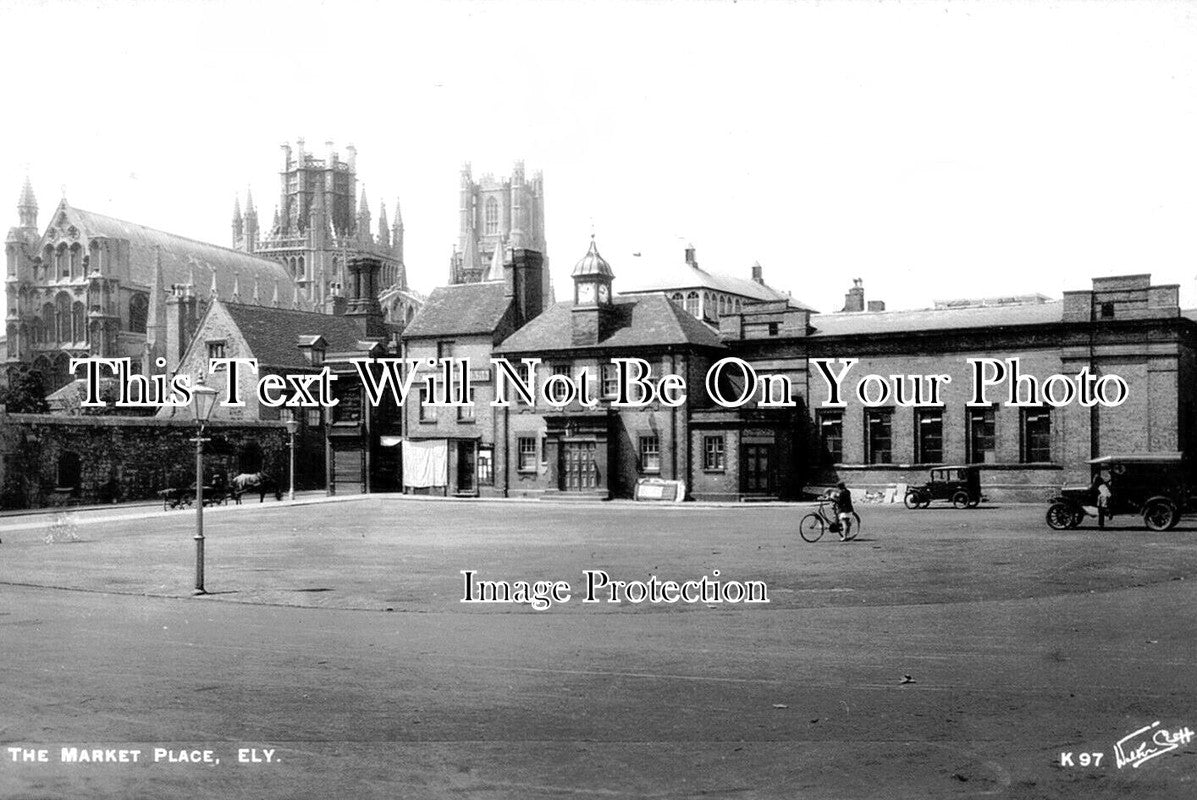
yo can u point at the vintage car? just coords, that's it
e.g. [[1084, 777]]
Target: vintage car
[[1154, 486], [961, 485]]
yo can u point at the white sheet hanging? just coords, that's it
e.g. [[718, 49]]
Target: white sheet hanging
[[425, 463]]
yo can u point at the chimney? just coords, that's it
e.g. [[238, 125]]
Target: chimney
[[854, 300], [876, 305], [363, 302], [180, 324], [757, 276], [690, 259], [523, 283]]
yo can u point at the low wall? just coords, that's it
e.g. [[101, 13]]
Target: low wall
[[49, 460]]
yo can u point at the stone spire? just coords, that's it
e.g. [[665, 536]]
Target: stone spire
[[238, 222], [27, 206], [496, 264], [384, 230], [363, 216]]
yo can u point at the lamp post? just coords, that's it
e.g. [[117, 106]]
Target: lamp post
[[203, 400], [292, 427]]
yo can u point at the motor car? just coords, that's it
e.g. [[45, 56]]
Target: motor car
[[1156, 487], [959, 484]]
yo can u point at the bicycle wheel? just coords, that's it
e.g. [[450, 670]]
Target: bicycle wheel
[[811, 528], [855, 531]]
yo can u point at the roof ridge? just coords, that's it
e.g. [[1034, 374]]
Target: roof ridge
[[934, 309], [254, 256]]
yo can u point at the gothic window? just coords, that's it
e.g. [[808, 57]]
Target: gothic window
[[492, 216], [76, 260], [95, 256], [60, 262], [692, 304], [62, 316], [48, 322], [301, 270], [78, 322], [138, 312], [39, 331], [677, 297]]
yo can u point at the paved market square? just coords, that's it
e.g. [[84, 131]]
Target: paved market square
[[944, 654]]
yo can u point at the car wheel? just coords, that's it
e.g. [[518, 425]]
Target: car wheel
[[1160, 515], [1060, 517], [911, 500], [960, 500]]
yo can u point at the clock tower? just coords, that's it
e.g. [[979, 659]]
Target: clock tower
[[594, 305]]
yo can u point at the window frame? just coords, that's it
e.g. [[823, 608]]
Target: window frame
[[1026, 448], [920, 454], [650, 449], [987, 417], [714, 459], [886, 415], [823, 418]]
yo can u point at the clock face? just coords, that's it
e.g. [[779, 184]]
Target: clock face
[[585, 292], [604, 293]]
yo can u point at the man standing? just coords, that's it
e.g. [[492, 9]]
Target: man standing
[[843, 508]]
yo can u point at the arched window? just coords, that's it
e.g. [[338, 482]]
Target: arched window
[[39, 331], [61, 269], [492, 216], [62, 317], [94, 250], [48, 320], [299, 275], [139, 309], [78, 323], [677, 297], [76, 261], [692, 304]]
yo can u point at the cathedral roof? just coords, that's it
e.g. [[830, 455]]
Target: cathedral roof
[[650, 320], [592, 263], [461, 309], [183, 259]]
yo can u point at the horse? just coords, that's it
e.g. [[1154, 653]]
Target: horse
[[259, 482]]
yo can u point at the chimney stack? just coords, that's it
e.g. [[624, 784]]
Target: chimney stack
[[854, 300]]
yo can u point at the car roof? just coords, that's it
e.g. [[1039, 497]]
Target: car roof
[[1140, 458]]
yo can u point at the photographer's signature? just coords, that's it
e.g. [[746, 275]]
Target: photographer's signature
[[1147, 743]]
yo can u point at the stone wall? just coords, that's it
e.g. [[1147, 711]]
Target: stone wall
[[48, 461]]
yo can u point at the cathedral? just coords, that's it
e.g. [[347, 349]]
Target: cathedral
[[318, 227], [496, 215], [90, 284]]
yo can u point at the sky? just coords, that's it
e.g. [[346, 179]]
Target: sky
[[934, 150]]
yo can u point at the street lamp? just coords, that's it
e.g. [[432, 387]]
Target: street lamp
[[292, 426], [203, 400]]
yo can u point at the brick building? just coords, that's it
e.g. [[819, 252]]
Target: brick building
[[1123, 326], [464, 445]]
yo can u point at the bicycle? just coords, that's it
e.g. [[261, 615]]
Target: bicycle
[[814, 524]]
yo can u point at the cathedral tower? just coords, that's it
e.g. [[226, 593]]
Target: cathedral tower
[[495, 214]]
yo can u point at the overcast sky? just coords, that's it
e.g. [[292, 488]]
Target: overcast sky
[[935, 150]]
